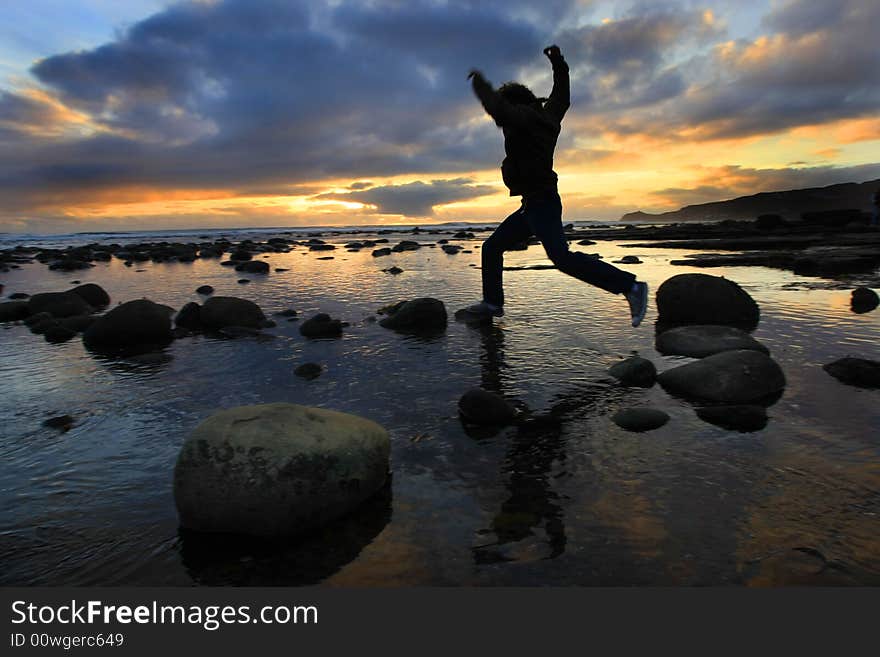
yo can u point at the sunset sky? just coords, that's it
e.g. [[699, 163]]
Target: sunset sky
[[142, 114]]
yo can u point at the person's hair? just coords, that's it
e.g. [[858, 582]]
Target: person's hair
[[518, 94]]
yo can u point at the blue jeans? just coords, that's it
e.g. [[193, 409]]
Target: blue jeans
[[541, 215]]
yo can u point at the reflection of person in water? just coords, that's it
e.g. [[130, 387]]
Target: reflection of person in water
[[531, 127], [532, 503]]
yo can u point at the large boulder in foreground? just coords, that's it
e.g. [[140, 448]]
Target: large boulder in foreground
[[59, 304], [277, 469], [704, 299], [858, 372], [732, 377], [219, 312], [423, 315], [702, 340], [132, 323]]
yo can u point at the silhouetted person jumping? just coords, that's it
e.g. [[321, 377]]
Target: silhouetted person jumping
[[531, 127]]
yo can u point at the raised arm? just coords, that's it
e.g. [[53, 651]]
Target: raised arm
[[504, 112], [560, 96]]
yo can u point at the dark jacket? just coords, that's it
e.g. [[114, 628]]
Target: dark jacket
[[530, 132]]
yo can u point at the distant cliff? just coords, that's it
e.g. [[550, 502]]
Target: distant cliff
[[790, 204]]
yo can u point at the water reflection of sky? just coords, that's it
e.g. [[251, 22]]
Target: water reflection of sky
[[566, 498]]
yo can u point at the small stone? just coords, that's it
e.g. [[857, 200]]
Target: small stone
[[858, 372], [205, 290], [308, 371], [478, 406], [640, 419], [864, 300], [635, 371], [61, 422], [321, 326], [742, 418]]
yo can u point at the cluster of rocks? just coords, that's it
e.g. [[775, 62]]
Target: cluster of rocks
[[734, 377], [57, 316]]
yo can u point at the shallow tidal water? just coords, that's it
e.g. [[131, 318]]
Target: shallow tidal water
[[567, 499]]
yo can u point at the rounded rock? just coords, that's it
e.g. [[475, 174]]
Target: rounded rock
[[733, 377], [634, 371], [700, 340], [705, 299], [277, 469], [478, 406], [218, 312], [135, 322], [640, 419]]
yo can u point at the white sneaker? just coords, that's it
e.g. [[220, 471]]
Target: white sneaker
[[638, 302]]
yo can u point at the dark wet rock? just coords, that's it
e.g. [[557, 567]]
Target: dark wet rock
[[253, 267], [131, 323], [280, 270], [640, 419], [451, 249], [61, 422], [322, 247], [478, 406], [424, 314], [381, 252], [18, 296], [704, 299], [40, 327], [463, 235], [278, 469], [93, 294], [864, 300], [586, 242], [38, 318], [635, 371], [393, 270], [240, 255], [743, 418], [218, 312], [190, 316], [77, 323], [11, 311], [406, 245], [308, 371], [244, 281], [69, 264], [629, 260], [858, 372], [326, 258], [734, 377], [288, 312], [58, 304], [205, 290], [321, 326], [700, 340], [268, 323], [57, 334]]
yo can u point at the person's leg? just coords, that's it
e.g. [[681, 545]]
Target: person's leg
[[545, 218], [511, 231]]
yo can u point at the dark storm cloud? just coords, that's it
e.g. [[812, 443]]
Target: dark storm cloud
[[247, 93], [415, 199], [819, 62]]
